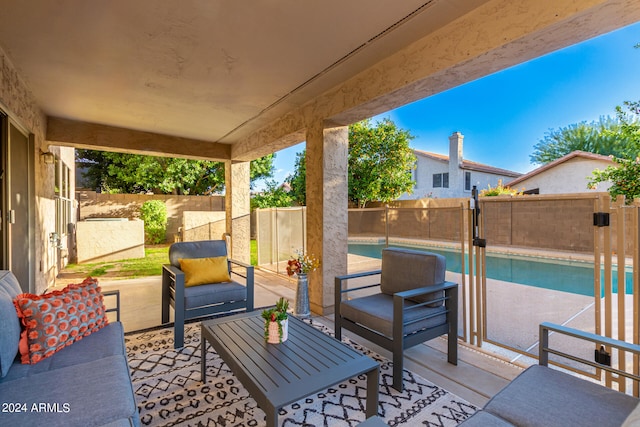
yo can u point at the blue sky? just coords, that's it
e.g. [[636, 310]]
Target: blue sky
[[502, 116]]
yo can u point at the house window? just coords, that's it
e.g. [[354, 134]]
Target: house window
[[63, 197], [467, 181], [441, 180]]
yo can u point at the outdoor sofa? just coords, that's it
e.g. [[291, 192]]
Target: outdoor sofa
[[542, 396], [84, 384]]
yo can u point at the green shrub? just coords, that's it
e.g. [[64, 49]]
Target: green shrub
[[154, 215], [500, 190]]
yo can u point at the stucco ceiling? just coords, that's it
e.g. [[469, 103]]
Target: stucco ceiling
[[217, 70], [194, 68]]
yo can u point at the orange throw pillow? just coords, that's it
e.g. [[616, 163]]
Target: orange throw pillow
[[57, 319], [203, 271]]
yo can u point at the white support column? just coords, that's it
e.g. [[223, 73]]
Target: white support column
[[327, 193], [237, 208]]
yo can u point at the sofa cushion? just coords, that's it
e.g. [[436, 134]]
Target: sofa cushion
[[108, 341], [88, 394], [634, 418], [203, 271], [484, 419], [376, 312], [541, 396], [9, 283], [9, 332], [406, 269], [57, 319]]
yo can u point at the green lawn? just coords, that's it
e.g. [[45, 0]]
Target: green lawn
[[150, 265]]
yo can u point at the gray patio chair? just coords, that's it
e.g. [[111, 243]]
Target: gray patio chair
[[190, 302], [414, 304]]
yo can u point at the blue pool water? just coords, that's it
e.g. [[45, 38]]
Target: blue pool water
[[570, 276]]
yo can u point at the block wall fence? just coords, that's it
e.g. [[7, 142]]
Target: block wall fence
[[101, 205]]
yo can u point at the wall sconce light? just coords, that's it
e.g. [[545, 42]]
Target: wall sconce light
[[48, 157]]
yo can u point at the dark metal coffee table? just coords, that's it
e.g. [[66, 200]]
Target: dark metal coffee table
[[279, 374]]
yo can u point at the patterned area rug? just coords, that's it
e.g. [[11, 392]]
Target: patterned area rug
[[169, 391]]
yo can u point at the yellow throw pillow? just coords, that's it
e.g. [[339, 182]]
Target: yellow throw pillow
[[202, 271]]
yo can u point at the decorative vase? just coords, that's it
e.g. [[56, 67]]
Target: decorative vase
[[302, 297], [274, 331]]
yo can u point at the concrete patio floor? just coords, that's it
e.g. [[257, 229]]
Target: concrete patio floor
[[476, 378]]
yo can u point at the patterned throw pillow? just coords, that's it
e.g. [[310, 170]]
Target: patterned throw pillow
[[57, 319]]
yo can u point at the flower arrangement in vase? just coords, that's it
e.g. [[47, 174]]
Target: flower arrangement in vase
[[276, 322], [302, 264]]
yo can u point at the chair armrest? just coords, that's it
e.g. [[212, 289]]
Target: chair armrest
[[248, 270], [545, 349], [115, 293], [249, 280], [338, 291], [240, 263], [172, 274], [356, 275], [171, 270], [412, 293]]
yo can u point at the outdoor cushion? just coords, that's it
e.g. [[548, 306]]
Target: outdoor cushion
[[485, 419], [199, 296], [9, 332], [9, 283], [634, 418], [9, 323], [406, 269], [542, 396], [93, 393], [59, 318], [199, 249], [202, 271], [376, 312], [108, 341]]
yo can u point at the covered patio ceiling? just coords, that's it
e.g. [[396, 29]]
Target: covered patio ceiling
[[238, 80]]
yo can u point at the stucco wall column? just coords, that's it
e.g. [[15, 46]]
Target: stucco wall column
[[237, 208], [327, 192]]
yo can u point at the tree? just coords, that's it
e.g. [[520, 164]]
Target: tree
[[132, 173], [380, 162], [605, 137], [275, 196], [298, 181], [154, 215], [625, 177]]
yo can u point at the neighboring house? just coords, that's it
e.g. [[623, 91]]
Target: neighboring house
[[568, 174], [440, 176]]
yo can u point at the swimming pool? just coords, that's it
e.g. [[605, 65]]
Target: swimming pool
[[568, 276]]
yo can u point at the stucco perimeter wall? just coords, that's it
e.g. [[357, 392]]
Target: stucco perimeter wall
[[429, 219], [203, 226], [100, 205], [100, 241], [547, 222]]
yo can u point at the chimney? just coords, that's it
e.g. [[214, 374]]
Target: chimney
[[455, 149]]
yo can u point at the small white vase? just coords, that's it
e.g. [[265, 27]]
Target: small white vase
[[274, 332]]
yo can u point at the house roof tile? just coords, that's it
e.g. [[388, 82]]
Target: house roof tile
[[469, 165], [565, 158]]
